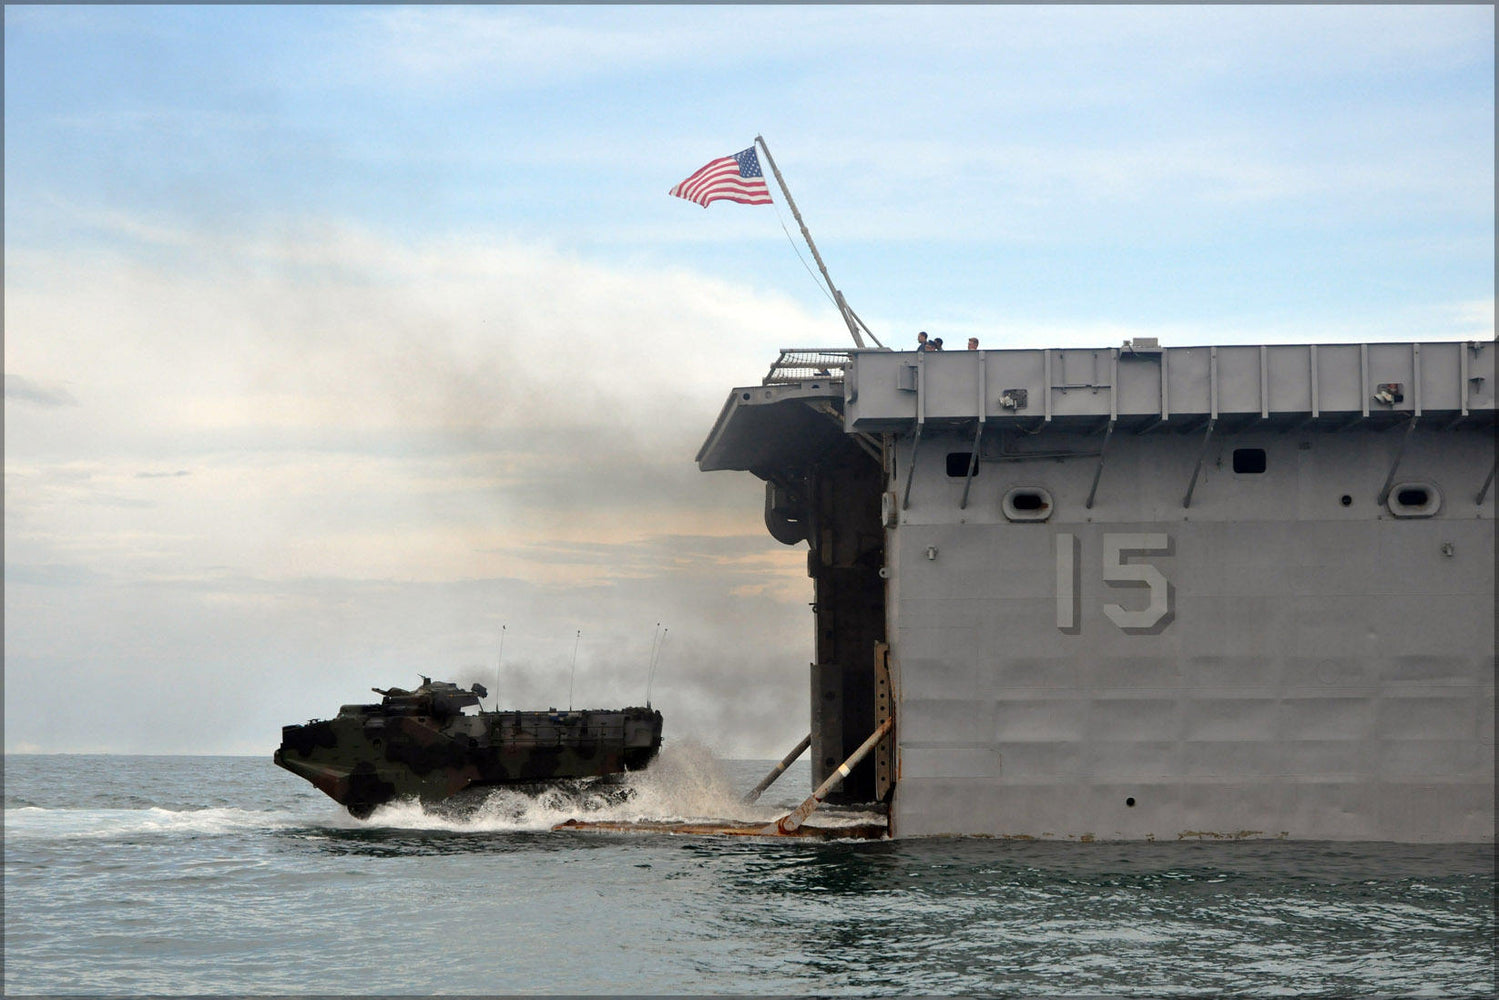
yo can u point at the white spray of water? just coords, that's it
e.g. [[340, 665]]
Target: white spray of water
[[684, 783]]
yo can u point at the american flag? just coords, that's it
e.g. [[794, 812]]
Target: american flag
[[736, 178]]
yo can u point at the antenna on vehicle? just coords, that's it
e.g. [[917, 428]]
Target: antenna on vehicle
[[499, 670], [655, 641], [654, 657], [574, 674]]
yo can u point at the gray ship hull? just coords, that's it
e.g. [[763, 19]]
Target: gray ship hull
[[1203, 593]]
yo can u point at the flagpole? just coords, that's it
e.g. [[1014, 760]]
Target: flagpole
[[843, 309]]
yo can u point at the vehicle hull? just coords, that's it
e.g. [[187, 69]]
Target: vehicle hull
[[365, 757]]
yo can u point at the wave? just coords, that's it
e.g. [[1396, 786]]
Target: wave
[[35, 821], [685, 783]]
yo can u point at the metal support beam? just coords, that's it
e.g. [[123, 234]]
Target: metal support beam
[[1363, 379], [1416, 380], [973, 464], [1187, 500], [1316, 407], [905, 500], [778, 770], [871, 447], [1463, 384], [1212, 420], [978, 434], [864, 441], [1389, 481], [1102, 454], [1046, 378], [1264, 383], [1487, 483], [788, 823], [1165, 389]]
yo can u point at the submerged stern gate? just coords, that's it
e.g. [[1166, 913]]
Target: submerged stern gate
[[1142, 592]]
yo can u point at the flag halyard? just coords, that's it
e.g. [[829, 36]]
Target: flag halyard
[[728, 178]]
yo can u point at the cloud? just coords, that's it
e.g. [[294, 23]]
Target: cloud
[[321, 452], [24, 390], [531, 48], [48, 575], [539, 46], [335, 329], [351, 407]]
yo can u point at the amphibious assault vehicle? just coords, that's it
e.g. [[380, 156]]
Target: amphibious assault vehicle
[[422, 744]]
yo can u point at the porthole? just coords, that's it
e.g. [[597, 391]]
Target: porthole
[[1027, 503], [1249, 460], [958, 462], [1413, 497], [1414, 500]]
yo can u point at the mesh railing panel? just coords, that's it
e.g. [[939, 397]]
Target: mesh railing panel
[[797, 364]]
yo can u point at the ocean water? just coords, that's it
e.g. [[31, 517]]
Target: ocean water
[[199, 875]]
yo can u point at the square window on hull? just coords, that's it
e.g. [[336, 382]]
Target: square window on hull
[[958, 462], [1249, 460]]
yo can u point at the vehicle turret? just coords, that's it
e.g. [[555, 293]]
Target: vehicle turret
[[438, 699]]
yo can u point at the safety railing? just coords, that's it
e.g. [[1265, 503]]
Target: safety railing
[[803, 364]]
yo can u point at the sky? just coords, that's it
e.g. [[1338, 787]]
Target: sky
[[346, 344]]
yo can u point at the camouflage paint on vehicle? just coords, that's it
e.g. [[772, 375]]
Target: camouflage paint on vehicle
[[420, 744]]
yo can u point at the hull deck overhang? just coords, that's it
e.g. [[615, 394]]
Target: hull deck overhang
[[764, 429]]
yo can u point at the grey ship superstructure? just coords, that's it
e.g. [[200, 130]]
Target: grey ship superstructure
[[1144, 592]]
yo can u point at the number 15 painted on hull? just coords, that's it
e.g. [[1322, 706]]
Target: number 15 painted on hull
[[1159, 611]]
